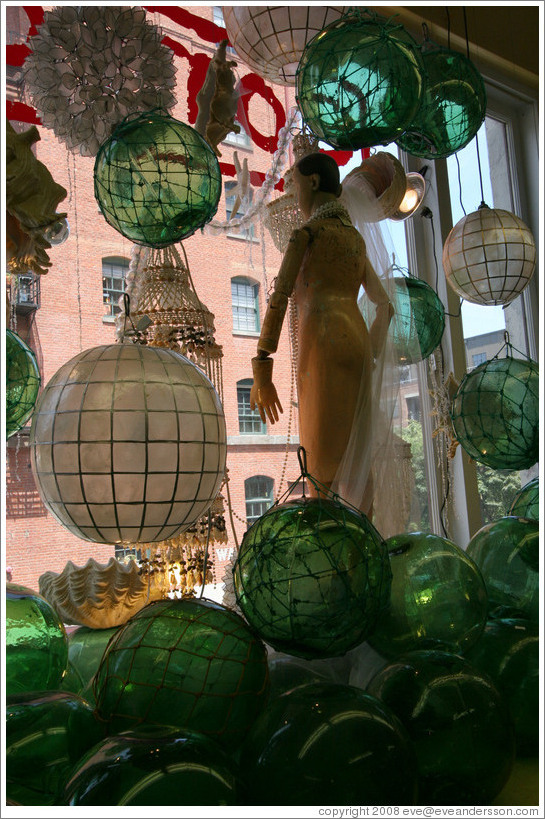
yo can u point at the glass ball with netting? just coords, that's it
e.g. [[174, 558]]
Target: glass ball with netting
[[359, 81], [157, 180], [526, 501], [22, 383]]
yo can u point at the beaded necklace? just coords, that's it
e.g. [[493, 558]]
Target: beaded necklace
[[329, 209]]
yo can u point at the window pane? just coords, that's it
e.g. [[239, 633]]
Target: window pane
[[249, 421], [113, 284], [259, 497], [245, 306]]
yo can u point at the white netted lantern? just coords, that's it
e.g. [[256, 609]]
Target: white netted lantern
[[128, 444], [489, 256], [271, 39]]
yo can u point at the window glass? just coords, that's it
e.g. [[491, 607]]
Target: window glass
[[249, 421], [244, 295], [259, 496], [230, 203], [113, 284]]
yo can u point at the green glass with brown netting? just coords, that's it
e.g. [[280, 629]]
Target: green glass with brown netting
[[526, 502], [187, 662], [22, 382]]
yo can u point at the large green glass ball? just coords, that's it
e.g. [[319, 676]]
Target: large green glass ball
[[359, 82], [438, 597], [458, 722], [36, 642], [452, 109], [327, 744], [507, 553], [46, 735], [495, 413], [526, 502], [312, 577], [508, 652], [22, 383], [156, 767], [418, 323], [156, 180], [86, 647], [185, 663]]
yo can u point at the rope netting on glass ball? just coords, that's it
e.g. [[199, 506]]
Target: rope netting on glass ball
[[359, 81], [22, 383], [495, 412], [157, 180], [312, 574]]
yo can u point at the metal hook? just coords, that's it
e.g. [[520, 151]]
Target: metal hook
[[302, 458]]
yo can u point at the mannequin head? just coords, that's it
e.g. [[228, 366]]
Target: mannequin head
[[316, 178]]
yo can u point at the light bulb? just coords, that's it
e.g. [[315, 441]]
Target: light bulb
[[409, 201], [414, 196]]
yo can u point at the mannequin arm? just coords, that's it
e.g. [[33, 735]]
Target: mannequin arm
[[385, 309], [263, 394]]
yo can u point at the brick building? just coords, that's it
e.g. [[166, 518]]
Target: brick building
[[72, 309]]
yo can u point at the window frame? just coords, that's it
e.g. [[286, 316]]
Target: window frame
[[249, 283], [267, 498], [123, 264], [248, 417]]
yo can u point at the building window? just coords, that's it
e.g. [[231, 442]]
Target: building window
[[478, 358], [240, 140], [245, 303], [259, 496], [114, 271], [249, 421], [230, 202], [413, 408]]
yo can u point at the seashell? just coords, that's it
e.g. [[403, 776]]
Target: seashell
[[375, 188], [98, 595]]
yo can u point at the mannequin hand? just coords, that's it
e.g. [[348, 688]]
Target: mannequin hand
[[265, 399]]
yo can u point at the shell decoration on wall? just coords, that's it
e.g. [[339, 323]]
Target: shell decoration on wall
[[92, 66], [97, 595]]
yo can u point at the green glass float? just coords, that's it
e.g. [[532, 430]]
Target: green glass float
[[36, 643], [287, 673], [156, 180], [183, 663], [526, 501], [312, 577], [438, 597], [327, 744], [72, 681], [359, 81], [507, 553], [86, 647], [152, 766], [458, 722], [452, 108], [495, 413], [46, 735], [419, 319], [22, 383], [508, 652]]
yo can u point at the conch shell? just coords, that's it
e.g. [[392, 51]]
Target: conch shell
[[98, 595]]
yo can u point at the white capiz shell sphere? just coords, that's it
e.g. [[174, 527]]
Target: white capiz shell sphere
[[489, 256], [128, 444], [271, 39]]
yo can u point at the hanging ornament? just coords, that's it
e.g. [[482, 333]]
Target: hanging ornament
[[453, 105], [495, 413], [156, 180], [128, 444], [375, 189], [359, 82], [312, 576], [92, 66], [183, 663], [526, 501], [22, 383], [271, 39], [489, 256]]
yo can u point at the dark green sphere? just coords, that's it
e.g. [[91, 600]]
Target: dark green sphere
[[438, 597], [495, 413], [154, 767], [526, 501], [508, 652], [327, 744], [458, 722], [22, 383], [359, 82], [453, 105], [507, 553], [183, 663], [156, 180], [86, 647], [312, 577]]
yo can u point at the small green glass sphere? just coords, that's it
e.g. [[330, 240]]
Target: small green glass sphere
[[438, 597], [86, 647], [327, 744], [507, 553], [457, 721], [46, 734], [156, 180], [508, 652], [22, 383], [452, 109], [154, 766], [36, 642], [495, 413], [359, 82], [311, 577], [526, 501], [185, 663]]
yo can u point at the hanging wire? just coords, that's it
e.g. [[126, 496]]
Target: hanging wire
[[428, 214], [460, 183]]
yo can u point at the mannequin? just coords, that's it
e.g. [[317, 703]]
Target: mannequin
[[323, 267]]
